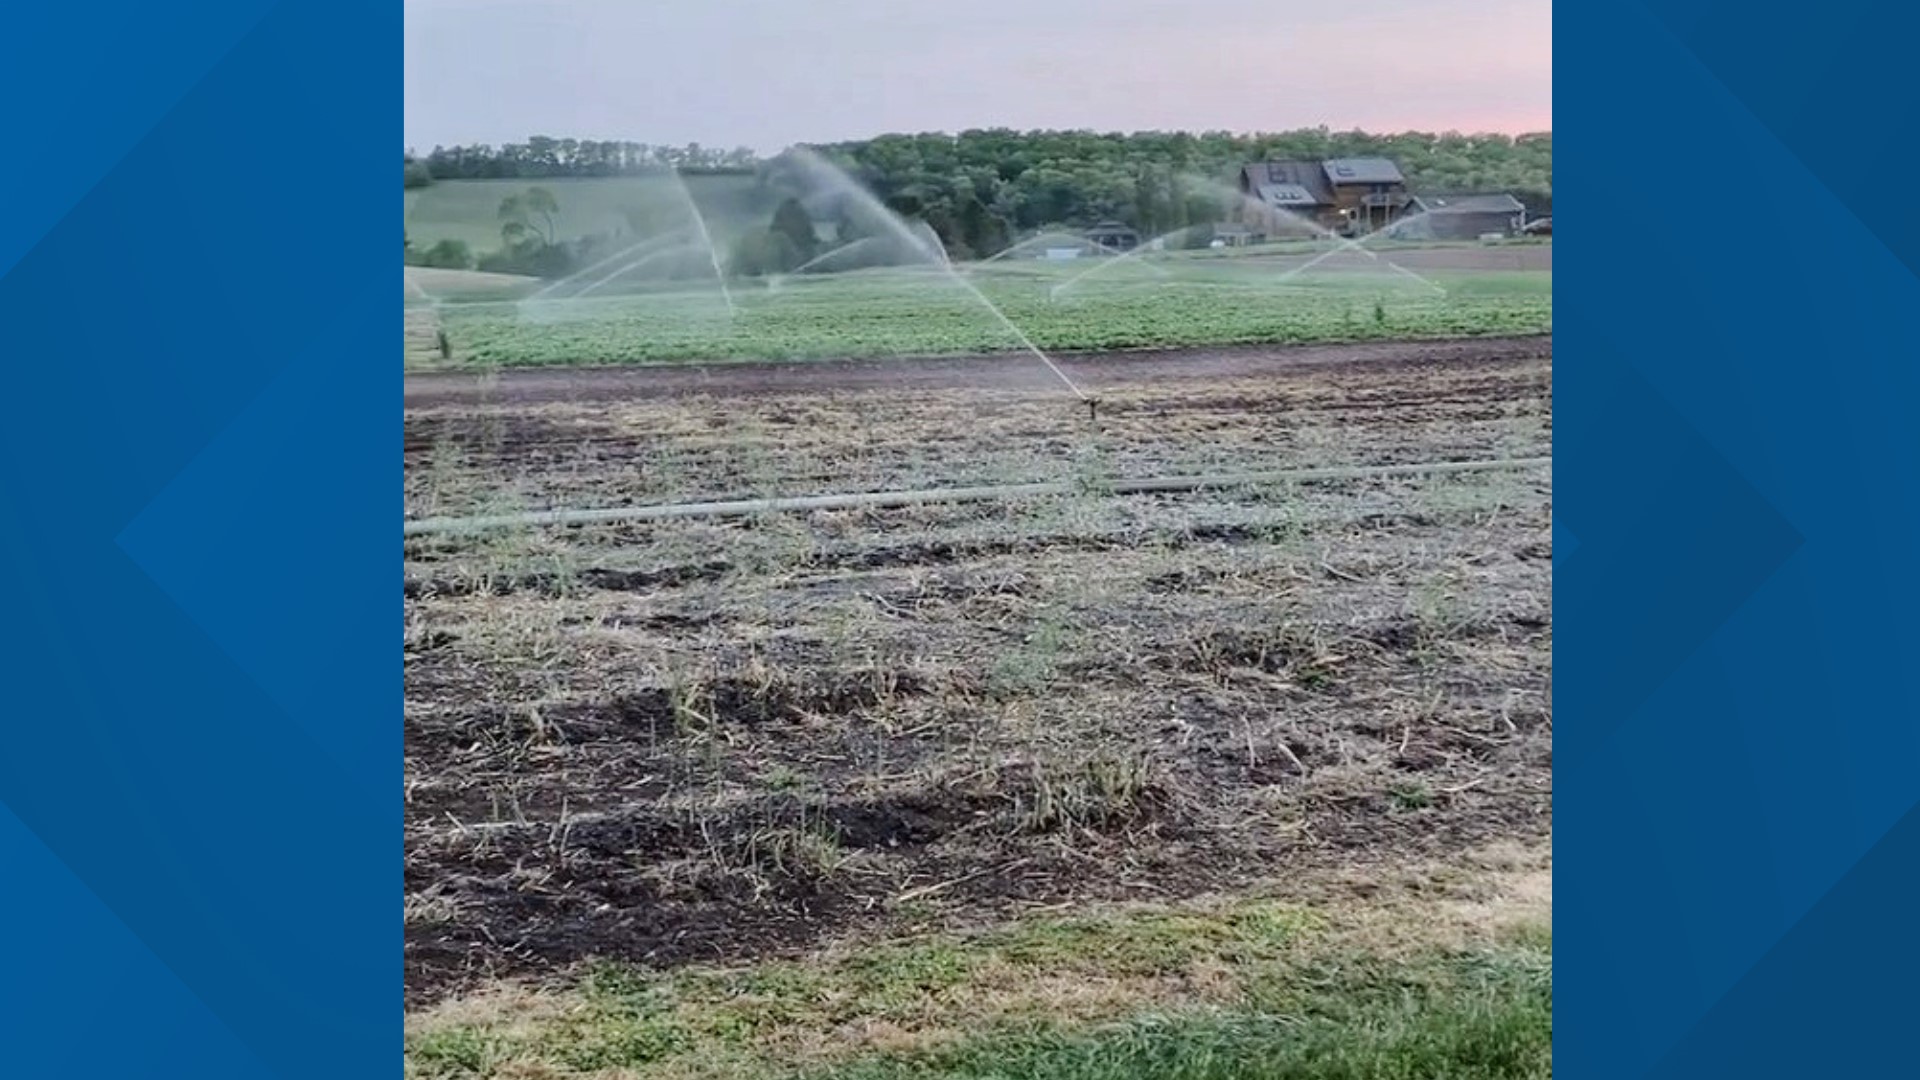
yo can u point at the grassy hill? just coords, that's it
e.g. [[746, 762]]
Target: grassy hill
[[468, 210]]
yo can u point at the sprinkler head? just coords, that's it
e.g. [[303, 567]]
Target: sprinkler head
[[1093, 409]]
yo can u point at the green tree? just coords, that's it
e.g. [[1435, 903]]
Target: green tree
[[528, 218], [449, 255], [762, 252], [791, 221], [981, 232]]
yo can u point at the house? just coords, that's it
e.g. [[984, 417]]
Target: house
[[1461, 217], [1113, 236], [1370, 192], [1282, 198], [1344, 195]]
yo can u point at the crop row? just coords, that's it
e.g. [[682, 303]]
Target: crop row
[[926, 315]]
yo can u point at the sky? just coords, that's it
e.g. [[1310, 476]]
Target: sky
[[770, 73]]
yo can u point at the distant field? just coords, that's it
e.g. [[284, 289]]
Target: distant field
[[423, 282], [909, 312], [468, 210]]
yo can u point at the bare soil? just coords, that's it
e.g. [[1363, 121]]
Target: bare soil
[[1095, 372], [723, 740]]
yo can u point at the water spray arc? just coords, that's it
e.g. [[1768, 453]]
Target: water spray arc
[[713, 253], [1047, 241], [636, 264], [629, 251], [925, 240], [851, 245], [414, 288], [1136, 257], [1313, 228], [1360, 246]]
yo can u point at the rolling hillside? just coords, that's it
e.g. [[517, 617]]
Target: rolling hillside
[[468, 210]]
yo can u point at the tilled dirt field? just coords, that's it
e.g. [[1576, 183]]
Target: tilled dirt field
[[1013, 372], [719, 739]]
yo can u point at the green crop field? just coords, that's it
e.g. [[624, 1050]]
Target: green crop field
[[924, 312]]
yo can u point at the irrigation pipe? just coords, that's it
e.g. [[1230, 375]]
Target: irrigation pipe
[[885, 499]]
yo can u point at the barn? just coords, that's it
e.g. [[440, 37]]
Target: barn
[[1114, 236], [1461, 217], [1235, 234]]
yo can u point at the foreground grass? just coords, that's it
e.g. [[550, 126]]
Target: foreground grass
[[922, 313], [1247, 989], [1491, 1030]]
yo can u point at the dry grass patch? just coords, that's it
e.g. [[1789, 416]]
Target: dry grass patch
[[1437, 931]]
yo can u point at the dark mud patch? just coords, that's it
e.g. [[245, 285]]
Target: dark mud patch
[[556, 583], [666, 710]]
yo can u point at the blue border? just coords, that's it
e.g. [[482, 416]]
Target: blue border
[[197, 811], [1736, 380], [198, 799]]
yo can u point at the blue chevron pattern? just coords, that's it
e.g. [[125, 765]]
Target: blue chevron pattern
[[1737, 807], [197, 793]]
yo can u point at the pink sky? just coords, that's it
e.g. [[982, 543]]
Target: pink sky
[[766, 73]]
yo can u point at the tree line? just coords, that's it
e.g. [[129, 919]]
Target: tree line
[[1034, 177], [542, 157], [981, 190], [974, 187]]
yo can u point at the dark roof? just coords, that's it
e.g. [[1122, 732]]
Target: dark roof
[[1109, 228], [1500, 203], [1288, 195], [1363, 170], [1287, 183]]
